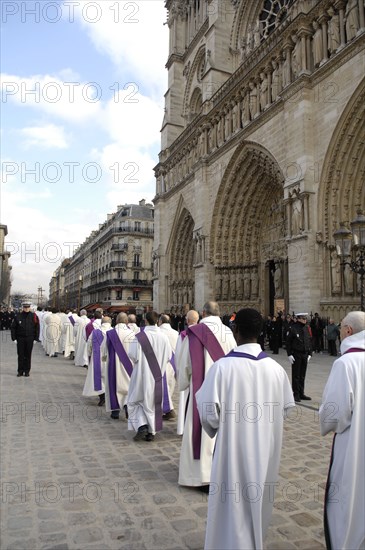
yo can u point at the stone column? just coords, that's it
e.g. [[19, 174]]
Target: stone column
[[323, 21], [268, 70], [361, 16], [340, 5]]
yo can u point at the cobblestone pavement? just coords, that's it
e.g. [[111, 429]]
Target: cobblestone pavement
[[72, 478]]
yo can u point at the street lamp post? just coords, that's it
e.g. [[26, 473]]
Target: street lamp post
[[353, 243], [79, 296]]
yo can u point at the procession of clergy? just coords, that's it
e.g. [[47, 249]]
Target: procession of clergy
[[233, 400]]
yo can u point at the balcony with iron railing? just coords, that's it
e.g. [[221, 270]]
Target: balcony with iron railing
[[120, 246]]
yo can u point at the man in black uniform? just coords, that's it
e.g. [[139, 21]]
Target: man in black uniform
[[24, 331], [299, 350]]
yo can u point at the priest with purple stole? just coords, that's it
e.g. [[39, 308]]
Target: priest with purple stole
[[120, 367], [98, 360], [150, 352], [242, 403], [204, 344], [343, 412]]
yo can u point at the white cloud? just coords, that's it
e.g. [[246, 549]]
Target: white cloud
[[49, 136], [122, 30], [133, 120], [69, 100]]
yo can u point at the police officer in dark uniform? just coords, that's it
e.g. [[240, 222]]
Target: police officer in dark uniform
[[299, 350], [24, 331]]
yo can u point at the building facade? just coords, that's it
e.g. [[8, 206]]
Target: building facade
[[113, 267], [262, 154]]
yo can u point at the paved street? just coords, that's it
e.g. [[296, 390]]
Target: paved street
[[72, 478]]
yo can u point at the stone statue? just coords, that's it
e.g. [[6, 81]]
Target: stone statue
[[348, 279], [296, 217], [333, 31], [174, 296], [275, 80], [264, 91], [233, 285], [256, 35], [239, 284], [254, 283], [246, 284], [317, 44], [249, 41], [254, 108], [286, 75], [245, 110], [352, 19], [295, 57], [198, 249], [278, 280], [227, 125], [218, 285], [220, 132], [243, 49], [225, 285], [155, 264], [335, 272], [235, 117], [190, 295]]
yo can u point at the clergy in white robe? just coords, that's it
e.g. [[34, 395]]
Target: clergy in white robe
[[242, 402], [64, 324], [52, 333], [81, 356], [192, 318], [119, 368], [343, 412], [132, 323], [169, 386], [145, 396], [196, 446], [72, 317], [42, 329], [98, 360]]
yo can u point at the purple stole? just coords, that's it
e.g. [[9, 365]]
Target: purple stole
[[97, 340], [88, 329], [72, 320], [156, 373], [115, 346], [353, 350], [200, 338], [261, 355]]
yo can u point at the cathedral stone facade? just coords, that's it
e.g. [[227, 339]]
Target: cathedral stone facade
[[262, 154]]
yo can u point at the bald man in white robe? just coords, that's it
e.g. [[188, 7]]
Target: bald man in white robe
[[197, 447]]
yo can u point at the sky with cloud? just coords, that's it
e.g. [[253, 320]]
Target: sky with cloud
[[83, 85]]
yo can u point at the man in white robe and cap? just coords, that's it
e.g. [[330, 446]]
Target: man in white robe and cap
[[343, 412], [98, 360], [72, 317], [192, 318], [150, 353], [170, 375], [64, 324], [52, 333], [243, 401], [204, 344], [81, 357], [120, 367]]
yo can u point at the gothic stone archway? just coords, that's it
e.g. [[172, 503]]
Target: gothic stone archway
[[181, 259], [248, 248]]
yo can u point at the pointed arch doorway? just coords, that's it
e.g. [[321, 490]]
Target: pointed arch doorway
[[248, 246], [180, 278]]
